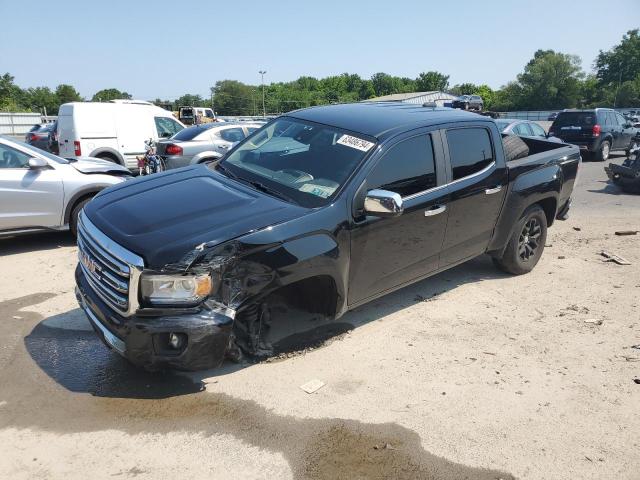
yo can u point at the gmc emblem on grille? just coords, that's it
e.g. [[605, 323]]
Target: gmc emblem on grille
[[88, 263]]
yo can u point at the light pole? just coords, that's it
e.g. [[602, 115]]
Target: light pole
[[264, 111]]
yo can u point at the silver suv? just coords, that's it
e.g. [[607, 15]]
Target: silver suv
[[202, 143], [40, 191]]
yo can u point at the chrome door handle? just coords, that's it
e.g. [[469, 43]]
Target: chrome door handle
[[435, 210], [490, 191]]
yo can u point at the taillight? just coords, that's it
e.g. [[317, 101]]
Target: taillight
[[173, 150], [77, 151], [596, 130]]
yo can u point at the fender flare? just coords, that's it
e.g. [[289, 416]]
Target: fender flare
[[205, 155], [110, 151]]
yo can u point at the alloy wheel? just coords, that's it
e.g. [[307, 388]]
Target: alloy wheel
[[529, 240]]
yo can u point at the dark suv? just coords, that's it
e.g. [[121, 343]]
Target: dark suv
[[469, 102], [596, 131]]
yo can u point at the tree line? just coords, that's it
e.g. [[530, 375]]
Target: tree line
[[549, 81]]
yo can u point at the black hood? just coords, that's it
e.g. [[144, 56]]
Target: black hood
[[164, 216]]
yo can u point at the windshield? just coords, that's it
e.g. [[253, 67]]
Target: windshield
[[39, 151], [304, 162]]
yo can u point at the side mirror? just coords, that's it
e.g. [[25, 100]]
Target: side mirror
[[37, 163], [383, 203]]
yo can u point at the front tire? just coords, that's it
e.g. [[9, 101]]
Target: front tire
[[526, 244], [75, 213]]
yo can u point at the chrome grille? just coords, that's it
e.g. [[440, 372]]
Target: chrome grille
[[112, 271]]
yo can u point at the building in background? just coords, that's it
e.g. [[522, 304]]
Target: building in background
[[441, 99]]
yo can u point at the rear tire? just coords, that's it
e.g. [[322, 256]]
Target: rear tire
[[526, 244], [73, 221], [603, 152]]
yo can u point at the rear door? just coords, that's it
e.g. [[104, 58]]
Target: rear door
[[28, 198], [477, 188], [226, 138]]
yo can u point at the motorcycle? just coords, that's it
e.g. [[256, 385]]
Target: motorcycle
[[627, 175], [150, 162]]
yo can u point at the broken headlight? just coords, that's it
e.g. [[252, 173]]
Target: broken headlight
[[178, 290]]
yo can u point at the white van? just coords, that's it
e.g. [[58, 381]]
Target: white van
[[114, 130]]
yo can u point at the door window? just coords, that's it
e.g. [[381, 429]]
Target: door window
[[538, 131], [621, 121], [522, 129], [12, 158], [407, 168], [167, 127], [232, 134], [470, 151]]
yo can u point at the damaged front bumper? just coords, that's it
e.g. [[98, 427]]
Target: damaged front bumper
[[144, 339]]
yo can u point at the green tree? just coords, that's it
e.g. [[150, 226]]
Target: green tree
[[10, 94], [384, 84], [191, 100], [234, 98], [107, 94], [622, 62], [66, 93], [509, 98], [40, 98], [551, 80], [431, 81], [464, 89]]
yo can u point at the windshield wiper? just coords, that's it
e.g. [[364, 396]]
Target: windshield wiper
[[268, 190], [226, 171], [257, 185]]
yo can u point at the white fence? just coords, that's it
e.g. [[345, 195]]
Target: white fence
[[18, 124]]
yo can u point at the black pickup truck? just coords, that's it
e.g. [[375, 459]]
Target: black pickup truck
[[328, 208]]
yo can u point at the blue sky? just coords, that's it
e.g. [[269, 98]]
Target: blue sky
[[167, 48]]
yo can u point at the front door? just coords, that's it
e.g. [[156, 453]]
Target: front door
[[28, 197], [477, 191], [389, 252]]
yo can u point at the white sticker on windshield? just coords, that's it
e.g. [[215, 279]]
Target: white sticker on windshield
[[355, 142]]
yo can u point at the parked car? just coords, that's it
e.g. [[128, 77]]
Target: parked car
[[552, 117], [469, 102], [41, 191], [523, 128], [596, 131], [383, 195], [39, 137], [193, 115], [115, 131], [202, 143], [52, 139]]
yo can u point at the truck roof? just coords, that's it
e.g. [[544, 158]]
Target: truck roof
[[383, 119]]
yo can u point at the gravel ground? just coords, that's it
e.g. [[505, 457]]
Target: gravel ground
[[470, 374]]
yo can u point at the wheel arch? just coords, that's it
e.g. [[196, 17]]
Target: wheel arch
[[77, 197], [203, 156], [107, 151]]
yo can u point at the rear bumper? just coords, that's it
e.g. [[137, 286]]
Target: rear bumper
[[584, 145], [143, 340]]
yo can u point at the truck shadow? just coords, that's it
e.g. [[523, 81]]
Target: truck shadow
[[35, 242], [143, 404], [66, 348]]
